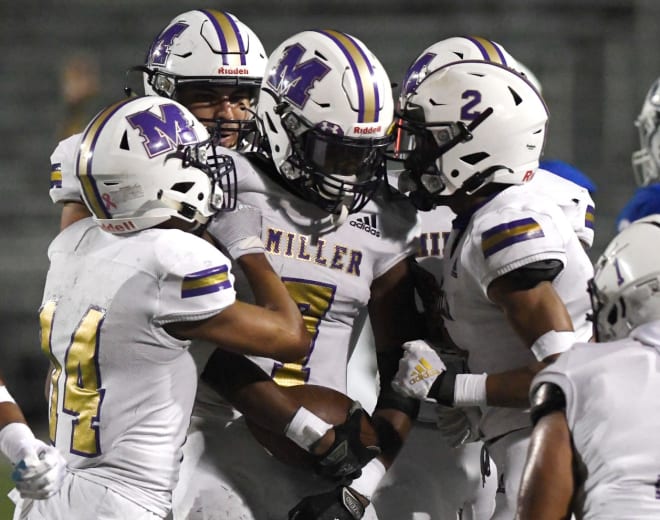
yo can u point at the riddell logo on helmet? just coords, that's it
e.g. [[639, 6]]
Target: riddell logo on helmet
[[367, 131], [125, 227], [232, 70]]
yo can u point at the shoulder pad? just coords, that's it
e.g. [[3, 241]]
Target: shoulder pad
[[547, 397]]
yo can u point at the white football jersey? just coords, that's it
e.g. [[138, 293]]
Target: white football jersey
[[64, 186], [328, 270], [122, 390], [514, 228], [574, 200], [613, 414]]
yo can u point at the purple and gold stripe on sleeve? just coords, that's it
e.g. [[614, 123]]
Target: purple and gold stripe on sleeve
[[590, 217], [505, 235], [363, 72], [56, 175], [229, 35], [489, 50], [204, 282]]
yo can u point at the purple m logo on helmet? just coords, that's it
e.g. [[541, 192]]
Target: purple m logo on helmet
[[165, 132], [414, 74], [292, 79], [160, 48]]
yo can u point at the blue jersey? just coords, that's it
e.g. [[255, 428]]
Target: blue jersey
[[645, 201]]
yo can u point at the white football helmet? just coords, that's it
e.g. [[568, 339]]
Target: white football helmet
[[144, 160], [625, 289], [646, 160], [450, 50], [326, 108], [205, 46], [472, 123]]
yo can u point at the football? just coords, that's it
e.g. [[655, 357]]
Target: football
[[330, 405]]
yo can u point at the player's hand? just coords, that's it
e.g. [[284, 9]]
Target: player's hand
[[342, 503], [347, 455], [39, 474], [419, 367], [239, 230], [458, 426]]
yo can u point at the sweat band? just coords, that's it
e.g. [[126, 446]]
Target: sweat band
[[368, 481], [470, 390], [306, 428], [553, 342]]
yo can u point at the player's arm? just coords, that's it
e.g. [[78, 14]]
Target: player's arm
[[540, 318], [534, 310], [394, 319], [548, 480], [273, 327], [72, 211], [38, 468]]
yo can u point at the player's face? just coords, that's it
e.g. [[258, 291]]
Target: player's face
[[211, 103]]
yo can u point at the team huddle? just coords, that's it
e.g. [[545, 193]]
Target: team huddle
[[241, 224]]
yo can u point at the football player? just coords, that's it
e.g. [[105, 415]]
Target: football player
[[593, 451], [183, 64], [341, 240], [646, 163], [125, 294], [455, 465], [514, 271], [38, 467], [206, 59]]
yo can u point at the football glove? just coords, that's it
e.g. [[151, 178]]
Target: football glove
[[39, 474], [419, 367], [342, 503], [458, 426], [239, 231], [423, 375], [347, 456]]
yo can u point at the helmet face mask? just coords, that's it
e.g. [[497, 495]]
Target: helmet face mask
[[146, 160], [472, 123], [625, 289], [207, 50], [646, 160], [326, 108]]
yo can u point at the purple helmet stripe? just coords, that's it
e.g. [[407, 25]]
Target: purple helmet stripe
[[85, 157], [229, 35], [489, 49], [363, 71]]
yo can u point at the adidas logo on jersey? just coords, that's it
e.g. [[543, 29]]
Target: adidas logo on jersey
[[368, 224], [423, 371]]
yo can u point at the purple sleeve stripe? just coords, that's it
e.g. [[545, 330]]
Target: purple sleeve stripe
[[206, 289], [56, 175], [505, 235], [205, 281]]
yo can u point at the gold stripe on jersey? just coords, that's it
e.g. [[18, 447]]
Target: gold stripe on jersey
[[509, 233]]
